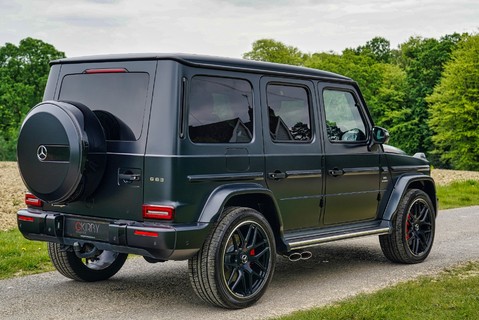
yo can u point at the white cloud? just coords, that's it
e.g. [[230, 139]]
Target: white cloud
[[227, 27]]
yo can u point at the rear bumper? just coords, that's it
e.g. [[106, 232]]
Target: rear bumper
[[151, 239]]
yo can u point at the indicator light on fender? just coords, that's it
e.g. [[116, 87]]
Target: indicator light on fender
[[111, 70], [32, 201], [158, 212]]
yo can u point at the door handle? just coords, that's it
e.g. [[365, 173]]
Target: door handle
[[277, 175], [129, 177], [336, 172]]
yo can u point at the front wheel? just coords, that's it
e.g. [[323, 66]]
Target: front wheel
[[102, 267], [413, 229], [236, 263]]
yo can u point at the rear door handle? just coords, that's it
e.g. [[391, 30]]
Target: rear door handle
[[129, 177], [277, 175], [336, 172]]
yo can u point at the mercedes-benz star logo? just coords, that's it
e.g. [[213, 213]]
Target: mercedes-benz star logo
[[42, 153]]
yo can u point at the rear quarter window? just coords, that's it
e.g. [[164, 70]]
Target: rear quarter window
[[117, 99], [220, 110]]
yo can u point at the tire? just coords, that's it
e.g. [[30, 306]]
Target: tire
[[103, 267], [236, 263], [413, 229], [61, 151]]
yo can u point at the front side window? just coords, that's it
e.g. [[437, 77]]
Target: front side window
[[220, 110], [343, 117], [288, 111]]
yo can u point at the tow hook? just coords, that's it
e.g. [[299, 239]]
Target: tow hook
[[86, 251]]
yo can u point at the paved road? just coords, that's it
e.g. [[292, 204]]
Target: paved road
[[162, 291]]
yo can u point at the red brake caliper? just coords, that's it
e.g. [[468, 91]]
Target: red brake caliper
[[408, 226]]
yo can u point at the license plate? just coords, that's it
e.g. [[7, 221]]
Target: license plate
[[86, 229]]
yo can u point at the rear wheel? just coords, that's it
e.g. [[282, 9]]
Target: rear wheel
[[236, 263], [413, 229], [105, 265]]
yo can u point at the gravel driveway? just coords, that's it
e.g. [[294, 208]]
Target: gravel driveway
[[162, 291]]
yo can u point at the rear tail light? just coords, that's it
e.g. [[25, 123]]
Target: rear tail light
[[158, 212], [146, 233], [111, 70], [26, 219], [32, 201]]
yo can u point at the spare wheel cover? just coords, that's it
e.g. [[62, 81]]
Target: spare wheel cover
[[52, 151]]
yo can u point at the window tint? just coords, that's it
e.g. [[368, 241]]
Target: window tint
[[220, 110], [117, 99], [288, 109], [343, 118]]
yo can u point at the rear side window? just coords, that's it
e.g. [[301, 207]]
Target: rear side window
[[288, 111], [220, 110], [117, 99]]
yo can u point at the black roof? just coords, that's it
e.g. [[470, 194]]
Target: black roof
[[210, 61]]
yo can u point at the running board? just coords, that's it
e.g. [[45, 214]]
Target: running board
[[311, 240]]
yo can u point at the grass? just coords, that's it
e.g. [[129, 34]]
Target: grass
[[458, 194], [19, 256], [453, 294]]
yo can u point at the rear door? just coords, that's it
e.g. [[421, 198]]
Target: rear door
[[119, 94], [292, 151], [352, 170]]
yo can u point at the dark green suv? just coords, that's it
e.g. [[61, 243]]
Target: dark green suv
[[223, 162]]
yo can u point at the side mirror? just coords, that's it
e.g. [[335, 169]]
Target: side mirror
[[379, 135]]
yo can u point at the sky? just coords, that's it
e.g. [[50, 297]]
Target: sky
[[228, 27]]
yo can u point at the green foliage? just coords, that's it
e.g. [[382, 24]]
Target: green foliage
[[275, 51], [8, 146], [423, 61], [455, 108], [377, 48], [19, 256], [391, 108], [23, 75]]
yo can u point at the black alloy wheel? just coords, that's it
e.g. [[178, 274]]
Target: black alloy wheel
[[419, 227], [236, 263], [413, 228], [246, 259]]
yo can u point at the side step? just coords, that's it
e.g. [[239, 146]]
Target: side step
[[315, 237]]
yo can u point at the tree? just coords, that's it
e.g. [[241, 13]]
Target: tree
[[377, 48], [454, 108], [275, 51], [423, 61], [23, 76], [391, 108]]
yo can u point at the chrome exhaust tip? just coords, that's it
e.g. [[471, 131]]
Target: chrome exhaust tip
[[298, 255], [305, 255]]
